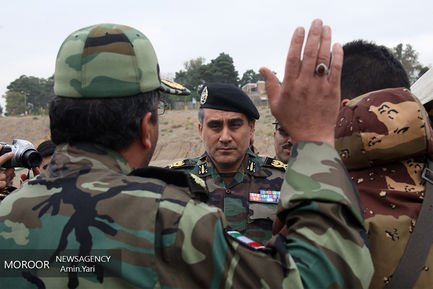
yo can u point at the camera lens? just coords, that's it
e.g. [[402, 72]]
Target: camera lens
[[31, 159]]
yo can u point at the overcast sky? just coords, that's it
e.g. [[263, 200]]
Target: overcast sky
[[254, 33]]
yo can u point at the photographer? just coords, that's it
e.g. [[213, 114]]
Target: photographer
[[6, 175]]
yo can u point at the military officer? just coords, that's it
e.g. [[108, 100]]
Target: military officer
[[244, 185], [282, 143]]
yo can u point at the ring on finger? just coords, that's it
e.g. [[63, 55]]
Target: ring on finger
[[321, 69]]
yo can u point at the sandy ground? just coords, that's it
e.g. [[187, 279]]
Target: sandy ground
[[178, 134]]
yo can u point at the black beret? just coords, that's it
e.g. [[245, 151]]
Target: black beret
[[228, 97]]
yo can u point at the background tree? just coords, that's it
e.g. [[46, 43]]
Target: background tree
[[195, 73], [37, 93], [409, 58], [221, 69], [15, 103], [250, 76], [191, 76]]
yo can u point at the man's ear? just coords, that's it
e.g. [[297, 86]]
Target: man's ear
[[253, 127], [344, 101], [200, 130], [147, 130]]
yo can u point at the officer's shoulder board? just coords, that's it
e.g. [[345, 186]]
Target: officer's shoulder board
[[178, 178], [183, 164], [274, 163]]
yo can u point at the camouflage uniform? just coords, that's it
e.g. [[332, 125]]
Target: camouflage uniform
[[384, 138], [245, 211], [169, 239]]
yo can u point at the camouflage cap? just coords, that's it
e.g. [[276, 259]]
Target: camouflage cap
[[108, 60]]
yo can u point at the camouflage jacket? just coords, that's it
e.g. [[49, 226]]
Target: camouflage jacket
[[250, 200], [384, 138], [158, 234]]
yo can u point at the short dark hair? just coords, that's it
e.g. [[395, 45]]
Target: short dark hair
[[369, 67], [111, 122]]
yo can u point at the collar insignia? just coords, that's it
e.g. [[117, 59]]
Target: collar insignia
[[202, 169], [251, 166]]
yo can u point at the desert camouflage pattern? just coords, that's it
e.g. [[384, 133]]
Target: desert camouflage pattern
[[252, 218], [108, 60], [384, 138], [168, 238]]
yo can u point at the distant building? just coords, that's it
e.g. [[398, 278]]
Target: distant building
[[257, 92]]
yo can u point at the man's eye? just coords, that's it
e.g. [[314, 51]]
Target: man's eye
[[214, 125]]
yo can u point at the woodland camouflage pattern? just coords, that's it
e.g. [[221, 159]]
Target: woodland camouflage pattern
[[253, 219], [384, 138], [108, 60], [170, 239]]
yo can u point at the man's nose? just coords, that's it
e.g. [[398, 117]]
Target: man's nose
[[225, 136]]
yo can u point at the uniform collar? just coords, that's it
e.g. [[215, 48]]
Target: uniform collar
[[251, 165], [73, 157]]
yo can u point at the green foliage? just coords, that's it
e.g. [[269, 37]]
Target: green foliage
[[15, 103], [37, 93], [409, 58], [196, 73], [250, 76], [221, 69]]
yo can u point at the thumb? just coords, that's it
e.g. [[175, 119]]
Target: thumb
[[271, 83]]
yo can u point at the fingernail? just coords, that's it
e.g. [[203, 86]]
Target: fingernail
[[300, 31]]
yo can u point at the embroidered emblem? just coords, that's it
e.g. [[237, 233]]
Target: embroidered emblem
[[198, 181], [278, 164], [203, 96], [251, 166], [265, 196], [176, 164], [202, 169]]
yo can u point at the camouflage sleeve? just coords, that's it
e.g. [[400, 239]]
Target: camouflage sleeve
[[324, 247], [326, 236]]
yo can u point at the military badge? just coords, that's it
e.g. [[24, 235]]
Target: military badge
[[265, 196], [198, 181], [202, 169], [246, 241], [279, 164], [203, 96], [177, 164], [251, 166]]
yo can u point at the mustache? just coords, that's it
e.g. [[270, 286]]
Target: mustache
[[222, 146], [287, 145]]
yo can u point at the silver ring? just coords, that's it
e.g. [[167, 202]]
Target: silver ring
[[321, 69]]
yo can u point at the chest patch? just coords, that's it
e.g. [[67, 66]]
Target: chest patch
[[264, 196]]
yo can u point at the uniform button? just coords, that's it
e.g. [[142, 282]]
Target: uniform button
[[228, 191]]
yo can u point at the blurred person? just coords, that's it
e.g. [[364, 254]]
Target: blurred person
[[6, 175], [384, 138], [46, 149], [241, 183], [99, 197], [282, 143]]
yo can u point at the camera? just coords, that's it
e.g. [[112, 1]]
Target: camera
[[25, 154]]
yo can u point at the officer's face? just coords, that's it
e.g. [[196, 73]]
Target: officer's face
[[226, 136], [282, 144]]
